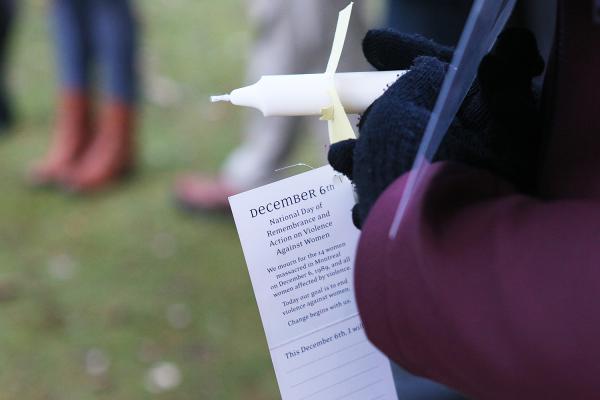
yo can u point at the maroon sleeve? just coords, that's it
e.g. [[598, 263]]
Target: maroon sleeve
[[487, 291]]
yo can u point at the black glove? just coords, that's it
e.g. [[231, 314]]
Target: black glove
[[496, 127]]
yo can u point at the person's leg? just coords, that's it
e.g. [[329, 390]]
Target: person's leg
[[73, 44], [267, 141], [300, 42], [116, 43], [110, 155], [7, 15], [73, 54]]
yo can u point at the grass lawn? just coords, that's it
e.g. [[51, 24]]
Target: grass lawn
[[95, 292]]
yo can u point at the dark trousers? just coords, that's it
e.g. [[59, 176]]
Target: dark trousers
[[440, 20], [7, 14]]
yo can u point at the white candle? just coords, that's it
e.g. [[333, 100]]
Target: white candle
[[297, 95]]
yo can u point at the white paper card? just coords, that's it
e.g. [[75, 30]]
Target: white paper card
[[299, 243]]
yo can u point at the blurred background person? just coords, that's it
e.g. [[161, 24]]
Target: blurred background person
[[87, 154], [295, 37], [292, 37], [7, 16]]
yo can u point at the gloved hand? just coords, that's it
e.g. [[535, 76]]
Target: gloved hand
[[496, 127]]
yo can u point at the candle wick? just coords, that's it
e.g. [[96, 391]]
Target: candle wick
[[224, 97]]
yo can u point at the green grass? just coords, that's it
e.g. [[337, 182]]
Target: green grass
[[127, 254]]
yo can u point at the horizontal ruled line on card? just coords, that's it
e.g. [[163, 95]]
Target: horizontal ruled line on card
[[334, 369], [313, 331], [359, 390], [343, 381], [327, 356]]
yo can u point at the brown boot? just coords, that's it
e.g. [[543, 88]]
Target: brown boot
[[110, 154], [69, 140]]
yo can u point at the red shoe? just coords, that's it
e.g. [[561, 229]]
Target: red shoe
[[71, 137], [202, 194], [110, 155]]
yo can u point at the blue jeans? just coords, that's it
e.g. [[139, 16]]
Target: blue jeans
[[97, 32]]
